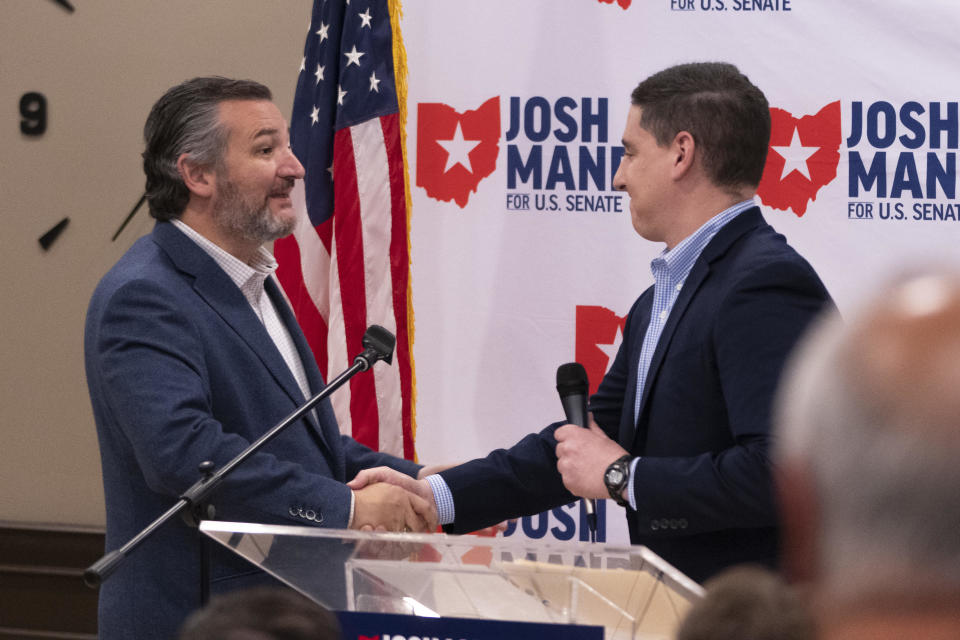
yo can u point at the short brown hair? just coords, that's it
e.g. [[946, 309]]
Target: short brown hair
[[727, 115]]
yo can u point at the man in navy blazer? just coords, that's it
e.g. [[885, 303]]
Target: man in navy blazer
[[192, 353], [682, 419]]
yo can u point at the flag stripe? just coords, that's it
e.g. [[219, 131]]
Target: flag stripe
[[337, 345], [400, 269], [348, 235], [304, 276], [314, 254], [347, 265], [373, 187]]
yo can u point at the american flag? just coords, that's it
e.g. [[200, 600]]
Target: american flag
[[347, 264]]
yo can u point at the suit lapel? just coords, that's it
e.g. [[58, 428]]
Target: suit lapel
[[628, 428], [327, 427], [219, 291], [715, 249], [694, 279]]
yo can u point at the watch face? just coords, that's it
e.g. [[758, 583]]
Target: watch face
[[614, 476]]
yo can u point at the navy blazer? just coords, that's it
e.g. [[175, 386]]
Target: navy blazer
[[703, 486], [181, 370]]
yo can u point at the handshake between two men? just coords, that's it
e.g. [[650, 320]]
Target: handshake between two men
[[388, 500]]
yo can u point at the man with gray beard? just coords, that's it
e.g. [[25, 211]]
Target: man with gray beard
[[192, 353]]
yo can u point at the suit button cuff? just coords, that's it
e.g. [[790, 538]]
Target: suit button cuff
[[306, 514]]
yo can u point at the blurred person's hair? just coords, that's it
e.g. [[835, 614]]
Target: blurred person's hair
[[869, 417], [262, 613], [747, 603]]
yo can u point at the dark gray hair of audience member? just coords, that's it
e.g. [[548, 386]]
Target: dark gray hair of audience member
[[868, 446], [186, 119], [747, 603], [263, 613]]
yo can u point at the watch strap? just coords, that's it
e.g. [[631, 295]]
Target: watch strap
[[622, 464]]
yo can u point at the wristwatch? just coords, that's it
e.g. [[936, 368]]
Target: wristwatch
[[616, 478]]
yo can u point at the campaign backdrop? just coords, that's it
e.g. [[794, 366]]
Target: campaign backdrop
[[522, 255]]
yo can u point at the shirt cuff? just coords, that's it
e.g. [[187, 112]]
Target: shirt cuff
[[631, 496], [353, 502], [443, 498]]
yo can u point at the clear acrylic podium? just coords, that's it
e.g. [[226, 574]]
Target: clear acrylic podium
[[630, 591]]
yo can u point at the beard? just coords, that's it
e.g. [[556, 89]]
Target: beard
[[247, 218]]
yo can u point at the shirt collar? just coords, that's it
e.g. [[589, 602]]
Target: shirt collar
[[679, 261], [242, 274]]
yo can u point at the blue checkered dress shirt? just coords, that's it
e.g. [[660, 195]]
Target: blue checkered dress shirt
[[670, 270]]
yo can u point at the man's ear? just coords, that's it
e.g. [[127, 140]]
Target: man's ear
[[200, 180], [684, 149]]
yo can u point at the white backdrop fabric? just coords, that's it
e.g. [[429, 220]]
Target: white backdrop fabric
[[524, 258]]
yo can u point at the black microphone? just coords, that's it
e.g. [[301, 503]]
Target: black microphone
[[378, 344], [573, 387]]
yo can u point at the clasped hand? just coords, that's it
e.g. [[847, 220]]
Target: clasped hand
[[583, 456], [387, 500]]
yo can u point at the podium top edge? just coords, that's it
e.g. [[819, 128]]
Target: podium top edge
[[519, 546]]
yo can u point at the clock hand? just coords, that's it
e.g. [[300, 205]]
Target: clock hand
[[47, 239], [129, 217], [66, 5]]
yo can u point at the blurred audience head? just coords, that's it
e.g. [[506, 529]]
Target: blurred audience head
[[747, 603], [264, 613], [868, 448]]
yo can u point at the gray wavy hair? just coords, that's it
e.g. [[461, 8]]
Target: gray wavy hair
[[186, 120]]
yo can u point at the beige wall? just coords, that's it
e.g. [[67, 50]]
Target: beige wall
[[100, 68]]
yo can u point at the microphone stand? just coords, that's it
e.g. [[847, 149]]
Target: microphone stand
[[378, 343], [591, 507]]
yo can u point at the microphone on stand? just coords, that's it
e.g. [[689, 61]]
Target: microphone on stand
[[573, 387], [378, 344]]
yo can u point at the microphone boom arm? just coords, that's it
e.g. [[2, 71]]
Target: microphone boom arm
[[378, 343]]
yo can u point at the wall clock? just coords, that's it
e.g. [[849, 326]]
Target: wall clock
[[33, 113], [71, 173]]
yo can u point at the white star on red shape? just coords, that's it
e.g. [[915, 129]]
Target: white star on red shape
[[458, 150], [795, 156], [322, 31], [612, 349], [374, 82], [353, 56], [315, 115], [365, 17], [319, 73]]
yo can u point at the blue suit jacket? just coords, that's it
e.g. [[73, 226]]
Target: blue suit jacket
[[181, 370], [703, 487]]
